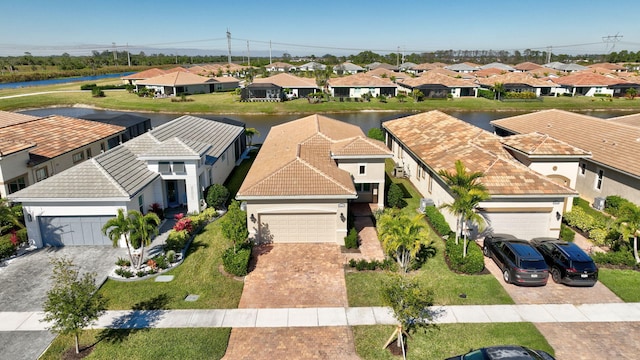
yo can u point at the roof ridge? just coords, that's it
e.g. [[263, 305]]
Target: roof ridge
[[544, 140], [109, 177], [183, 144], [308, 164]]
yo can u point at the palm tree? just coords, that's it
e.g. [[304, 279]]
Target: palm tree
[[402, 236], [629, 220], [470, 216], [117, 228], [10, 216], [250, 133], [498, 88], [143, 228]]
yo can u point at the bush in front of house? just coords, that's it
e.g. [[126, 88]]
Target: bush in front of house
[[394, 196], [362, 265], [176, 240], [473, 263], [621, 257], [237, 263], [566, 233], [351, 240], [216, 196], [6, 248], [437, 221], [579, 218]]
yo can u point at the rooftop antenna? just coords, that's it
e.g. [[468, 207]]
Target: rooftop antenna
[[229, 45], [611, 40]]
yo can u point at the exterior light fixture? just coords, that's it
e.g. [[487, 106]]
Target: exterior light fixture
[[253, 218]]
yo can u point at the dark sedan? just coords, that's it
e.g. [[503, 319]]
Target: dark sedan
[[504, 352], [518, 260], [569, 264]]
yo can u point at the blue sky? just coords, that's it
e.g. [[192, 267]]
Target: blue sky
[[318, 27]]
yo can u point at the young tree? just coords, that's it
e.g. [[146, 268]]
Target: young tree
[[234, 225], [217, 195], [250, 133], [143, 228], [402, 236], [72, 303], [117, 228], [410, 302], [631, 93], [629, 220]]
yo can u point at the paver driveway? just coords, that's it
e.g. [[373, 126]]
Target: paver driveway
[[294, 275]]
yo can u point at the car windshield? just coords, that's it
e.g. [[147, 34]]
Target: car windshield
[[533, 264], [583, 265], [474, 355]]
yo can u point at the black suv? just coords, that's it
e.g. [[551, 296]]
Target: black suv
[[519, 262], [504, 352], [569, 264]]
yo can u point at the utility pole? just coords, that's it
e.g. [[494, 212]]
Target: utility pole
[[549, 50], [128, 56], [611, 39], [270, 62], [229, 45], [398, 57], [115, 54], [248, 54]]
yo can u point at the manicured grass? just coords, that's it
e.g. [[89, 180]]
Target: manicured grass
[[363, 288], [228, 103], [152, 344], [448, 340], [198, 274], [624, 283]]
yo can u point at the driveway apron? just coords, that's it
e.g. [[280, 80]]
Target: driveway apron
[[294, 276]]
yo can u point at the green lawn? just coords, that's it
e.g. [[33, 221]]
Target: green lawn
[[151, 344], [624, 283], [448, 339]]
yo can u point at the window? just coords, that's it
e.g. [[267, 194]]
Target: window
[[18, 183], [362, 169], [77, 157], [164, 167], [418, 171], [42, 174], [223, 157], [141, 204], [583, 168], [424, 173], [103, 147], [89, 153], [599, 179], [430, 184], [363, 187], [178, 167]]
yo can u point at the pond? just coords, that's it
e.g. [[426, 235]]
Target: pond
[[16, 85]]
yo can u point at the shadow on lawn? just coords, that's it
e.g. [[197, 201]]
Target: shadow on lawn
[[145, 314]]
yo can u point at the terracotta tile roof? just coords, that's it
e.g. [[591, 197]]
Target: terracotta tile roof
[[444, 71], [432, 77], [176, 78], [225, 79], [588, 78], [538, 144], [145, 74], [545, 71], [613, 144], [295, 159], [527, 66], [516, 78], [9, 146], [279, 64], [608, 66], [176, 69], [379, 72], [8, 118], [287, 81], [360, 79], [199, 70], [428, 66], [488, 72], [440, 139], [56, 135], [633, 119]]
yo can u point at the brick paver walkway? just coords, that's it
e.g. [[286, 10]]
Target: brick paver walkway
[[294, 275], [370, 247]]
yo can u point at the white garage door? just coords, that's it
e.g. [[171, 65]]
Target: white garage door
[[522, 225], [73, 230], [298, 228]]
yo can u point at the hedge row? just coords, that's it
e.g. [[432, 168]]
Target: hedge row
[[437, 221]]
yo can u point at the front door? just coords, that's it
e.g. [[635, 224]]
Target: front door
[[172, 192], [374, 190]]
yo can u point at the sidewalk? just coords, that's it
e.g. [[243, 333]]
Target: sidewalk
[[338, 316]]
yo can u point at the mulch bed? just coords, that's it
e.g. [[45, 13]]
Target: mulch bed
[[70, 354]]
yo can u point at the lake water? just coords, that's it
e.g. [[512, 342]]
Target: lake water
[[16, 85], [263, 123]]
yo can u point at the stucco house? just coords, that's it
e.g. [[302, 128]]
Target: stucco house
[[279, 66], [590, 83], [436, 85], [171, 165], [178, 82], [524, 202], [613, 169], [354, 86], [34, 148], [348, 68], [304, 177], [519, 82], [299, 87]]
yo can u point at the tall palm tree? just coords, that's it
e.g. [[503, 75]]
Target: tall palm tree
[[117, 228], [402, 236], [470, 216], [143, 228], [499, 89]]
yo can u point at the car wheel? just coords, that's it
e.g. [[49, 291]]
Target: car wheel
[[506, 276], [485, 251], [555, 275]]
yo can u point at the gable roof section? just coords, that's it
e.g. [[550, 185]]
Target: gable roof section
[[497, 65], [527, 66], [633, 119], [145, 74], [8, 118], [295, 160], [9, 146], [176, 78], [360, 80], [588, 78], [287, 80], [432, 77], [439, 140], [542, 145], [463, 67], [612, 144], [516, 78]]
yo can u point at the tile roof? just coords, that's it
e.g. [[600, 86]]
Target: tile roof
[[225, 79], [527, 66], [286, 80], [432, 77], [9, 146], [488, 72], [295, 160], [447, 72], [386, 73], [428, 66], [347, 66], [608, 66], [8, 118], [145, 74], [497, 65], [440, 139], [538, 144], [176, 78], [360, 79], [588, 78], [121, 172], [463, 67], [56, 135], [633, 119], [516, 78], [611, 143]]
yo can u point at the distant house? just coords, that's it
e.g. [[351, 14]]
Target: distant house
[[354, 86], [524, 202], [305, 176], [312, 66], [171, 165], [519, 82], [379, 65], [34, 148], [613, 169], [590, 83], [388, 74], [436, 85], [225, 83], [465, 67], [179, 82], [420, 68], [267, 91], [279, 67], [499, 66], [132, 79], [608, 66], [347, 68], [568, 68], [298, 86], [526, 66]]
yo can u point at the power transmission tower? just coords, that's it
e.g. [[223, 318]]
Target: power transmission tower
[[611, 40], [229, 45]]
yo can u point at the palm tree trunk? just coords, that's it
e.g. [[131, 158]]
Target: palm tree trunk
[[464, 237], [635, 249], [458, 223]]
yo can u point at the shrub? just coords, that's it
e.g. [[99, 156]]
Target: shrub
[[487, 94], [362, 264], [376, 133], [123, 262], [141, 273], [623, 257], [578, 218], [6, 248], [171, 256], [237, 263], [471, 264], [184, 224], [217, 195], [351, 240], [22, 236], [176, 240], [97, 92], [437, 221], [157, 209], [124, 273], [566, 233], [394, 196], [161, 261], [614, 204], [598, 235], [422, 256]]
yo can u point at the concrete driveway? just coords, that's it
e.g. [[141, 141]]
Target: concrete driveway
[[25, 281]]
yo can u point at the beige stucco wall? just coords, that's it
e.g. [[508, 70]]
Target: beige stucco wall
[[614, 183], [374, 174], [11, 167]]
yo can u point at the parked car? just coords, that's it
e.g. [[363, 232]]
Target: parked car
[[518, 260], [569, 264], [504, 352]]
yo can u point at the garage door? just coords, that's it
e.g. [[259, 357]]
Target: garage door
[[298, 228], [73, 230], [522, 225]]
